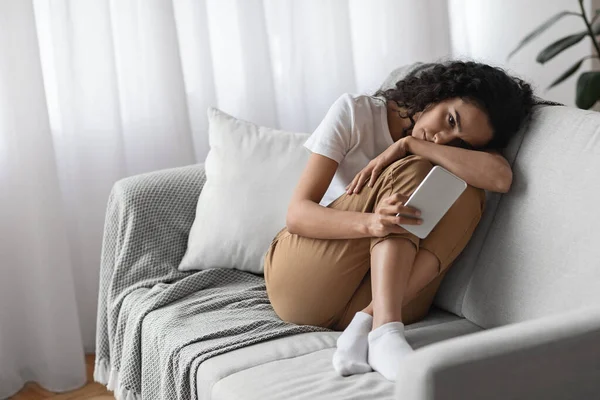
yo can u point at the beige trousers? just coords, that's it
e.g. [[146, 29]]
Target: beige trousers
[[324, 282]]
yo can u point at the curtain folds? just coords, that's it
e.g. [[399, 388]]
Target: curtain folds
[[95, 90], [40, 337]]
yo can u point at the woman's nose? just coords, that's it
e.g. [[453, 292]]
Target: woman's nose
[[442, 137]]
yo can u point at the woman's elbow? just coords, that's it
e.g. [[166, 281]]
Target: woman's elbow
[[504, 182], [296, 217], [290, 219]]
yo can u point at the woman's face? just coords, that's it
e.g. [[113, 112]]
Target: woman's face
[[453, 122]]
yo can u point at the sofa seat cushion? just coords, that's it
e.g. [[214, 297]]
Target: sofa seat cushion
[[299, 366], [216, 368], [310, 376]]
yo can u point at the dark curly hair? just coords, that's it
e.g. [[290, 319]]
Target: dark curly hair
[[506, 100]]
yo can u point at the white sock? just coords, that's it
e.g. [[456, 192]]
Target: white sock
[[387, 348], [350, 357]]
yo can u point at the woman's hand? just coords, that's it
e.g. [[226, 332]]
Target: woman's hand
[[393, 153], [384, 221]]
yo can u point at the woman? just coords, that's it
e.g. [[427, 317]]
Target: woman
[[343, 261]]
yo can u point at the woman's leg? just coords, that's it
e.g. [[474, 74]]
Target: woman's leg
[[320, 282], [419, 292], [387, 344], [391, 258], [352, 346], [430, 265], [391, 264], [425, 267], [432, 262], [311, 281]]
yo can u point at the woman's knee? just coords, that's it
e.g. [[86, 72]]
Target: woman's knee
[[413, 163], [407, 173]]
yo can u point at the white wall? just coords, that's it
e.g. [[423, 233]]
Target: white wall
[[489, 30]]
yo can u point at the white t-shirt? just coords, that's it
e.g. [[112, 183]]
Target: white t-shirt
[[354, 131]]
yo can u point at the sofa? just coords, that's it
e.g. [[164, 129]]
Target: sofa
[[516, 317]]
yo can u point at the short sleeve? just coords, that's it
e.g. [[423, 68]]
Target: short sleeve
[[332, 137]]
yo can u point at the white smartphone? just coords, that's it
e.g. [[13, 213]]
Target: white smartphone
[[434, 197]]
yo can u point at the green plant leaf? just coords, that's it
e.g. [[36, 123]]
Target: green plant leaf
[[540, 29], [588, 89], [567, 73], [561, 44]]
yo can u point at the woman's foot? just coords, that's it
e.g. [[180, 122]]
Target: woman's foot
[[387, 349], [350, 357]]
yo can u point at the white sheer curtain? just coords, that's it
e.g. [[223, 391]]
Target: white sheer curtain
[[39, 328], [95, 90]]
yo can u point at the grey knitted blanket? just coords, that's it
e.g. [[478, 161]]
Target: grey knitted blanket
[[157, 324]]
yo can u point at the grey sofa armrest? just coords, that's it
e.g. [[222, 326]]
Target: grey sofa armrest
[[555, 357], [148, 211], [148, 219]]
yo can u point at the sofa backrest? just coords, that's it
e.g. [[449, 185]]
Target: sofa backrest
[[541, 253], [452, 291]]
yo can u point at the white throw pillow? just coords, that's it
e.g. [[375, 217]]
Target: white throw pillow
[[251, 173]]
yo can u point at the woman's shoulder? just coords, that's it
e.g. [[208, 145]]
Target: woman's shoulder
[[359, 101], [360, 98]]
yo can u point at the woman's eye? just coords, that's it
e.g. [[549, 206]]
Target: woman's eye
[[451, 120]]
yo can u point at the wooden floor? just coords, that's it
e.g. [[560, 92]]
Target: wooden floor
[[91, 391]]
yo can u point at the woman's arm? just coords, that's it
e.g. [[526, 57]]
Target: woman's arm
[[306, 217], [485, 170]]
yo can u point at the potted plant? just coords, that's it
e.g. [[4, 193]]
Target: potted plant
[[587, 92]]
